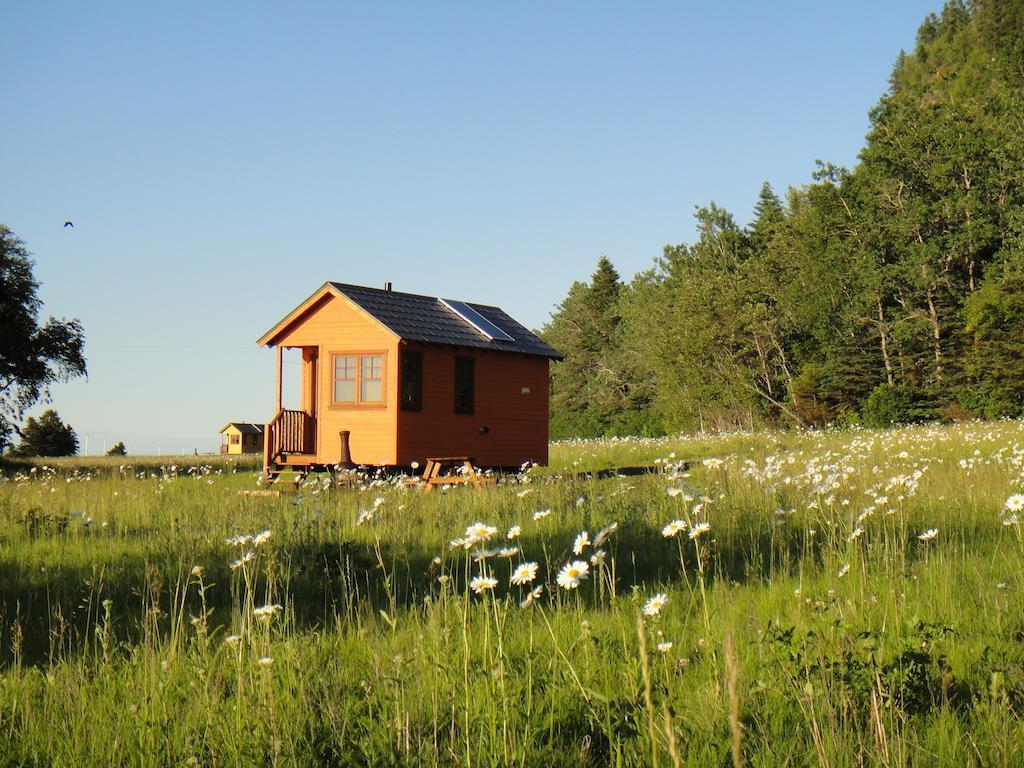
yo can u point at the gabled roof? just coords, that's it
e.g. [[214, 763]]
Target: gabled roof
[[426, 319], [245, 427]]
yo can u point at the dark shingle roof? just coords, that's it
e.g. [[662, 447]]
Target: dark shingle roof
[[426, 319], [245, 427]]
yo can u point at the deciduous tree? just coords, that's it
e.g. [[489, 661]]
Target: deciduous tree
[[33, 355]]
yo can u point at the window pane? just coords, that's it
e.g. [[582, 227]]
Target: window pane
[[371, 391], [464, 385], [412, 380], [344, 391], [371, 366], [344, 367], [344, 379]]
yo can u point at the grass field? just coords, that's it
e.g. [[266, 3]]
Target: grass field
[[832, 599]]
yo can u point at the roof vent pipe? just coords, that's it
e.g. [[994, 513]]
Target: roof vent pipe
[[387, 286]]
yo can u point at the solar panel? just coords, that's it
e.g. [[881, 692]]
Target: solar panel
[[478, 321]]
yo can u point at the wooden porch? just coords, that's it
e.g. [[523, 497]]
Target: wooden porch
[[290, 438]]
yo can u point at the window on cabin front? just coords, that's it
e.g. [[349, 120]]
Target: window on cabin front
[[464, 385], [412, 380], [233, 439], [359, 379]]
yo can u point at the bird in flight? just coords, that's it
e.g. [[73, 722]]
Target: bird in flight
[[69, 224]]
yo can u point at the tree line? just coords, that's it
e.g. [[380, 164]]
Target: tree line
[[889, 292]]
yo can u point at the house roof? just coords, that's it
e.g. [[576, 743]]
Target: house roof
[[429, 320], [245, 427]]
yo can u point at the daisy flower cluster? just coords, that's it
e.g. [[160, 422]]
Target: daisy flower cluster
[[249, 544], [588, 555]]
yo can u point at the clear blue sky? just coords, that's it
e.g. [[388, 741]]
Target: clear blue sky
[[220, 161]]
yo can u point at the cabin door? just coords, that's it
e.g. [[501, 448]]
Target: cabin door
[[311, 364]]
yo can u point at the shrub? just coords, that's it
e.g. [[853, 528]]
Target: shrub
[[890, 404]]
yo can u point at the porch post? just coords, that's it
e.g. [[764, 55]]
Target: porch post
[[279, 364]]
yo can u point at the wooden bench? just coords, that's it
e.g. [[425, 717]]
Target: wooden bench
[[432, 473]]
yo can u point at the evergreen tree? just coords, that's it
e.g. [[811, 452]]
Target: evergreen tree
[[595, 391], [47, 436]]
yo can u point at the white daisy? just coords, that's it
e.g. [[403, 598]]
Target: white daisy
[[653, 606], [572, 574], [928, 535], [480, 531], [365, 516], [532, 597], [513, 532], [843, 571], [673, 528], [481, 584], [247, 557], [581, 543], [1015, 503], [525, 573], [699, 530], [664, 646], [267, 611], [604, 533], [541, 514], [598, 557]]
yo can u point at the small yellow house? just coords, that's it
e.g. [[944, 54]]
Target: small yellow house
[[241, 437]]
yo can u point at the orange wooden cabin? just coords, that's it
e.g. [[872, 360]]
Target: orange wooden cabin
[[408, 378]]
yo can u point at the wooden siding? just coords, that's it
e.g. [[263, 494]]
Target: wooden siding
[[334, 325], [517, 423]]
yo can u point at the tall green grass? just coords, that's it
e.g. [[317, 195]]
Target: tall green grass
[[809, 625]]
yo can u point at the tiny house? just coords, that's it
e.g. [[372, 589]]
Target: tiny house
[[391, 378], [241, 437]]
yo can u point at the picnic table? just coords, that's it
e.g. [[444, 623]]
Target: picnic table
[[460, 472]]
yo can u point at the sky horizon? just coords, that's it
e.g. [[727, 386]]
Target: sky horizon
[[221, 163]]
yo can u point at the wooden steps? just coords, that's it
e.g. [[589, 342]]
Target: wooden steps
[[286, 478]]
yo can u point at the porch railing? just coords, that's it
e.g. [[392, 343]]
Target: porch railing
[[290, 432]]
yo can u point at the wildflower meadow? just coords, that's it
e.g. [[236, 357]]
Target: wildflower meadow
[[773, 599]]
